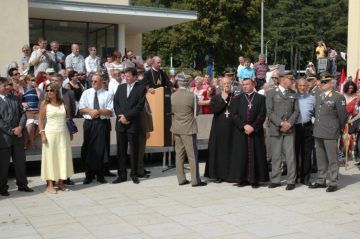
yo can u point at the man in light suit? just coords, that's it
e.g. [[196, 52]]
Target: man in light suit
[[330, 118], [282, 110], [129, 101], [12, 122], [184, 128]]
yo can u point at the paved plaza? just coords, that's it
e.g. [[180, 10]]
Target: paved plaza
[[158, 208]]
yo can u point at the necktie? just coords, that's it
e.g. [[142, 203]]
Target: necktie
[[286, 91], [129, 90], [96, 102]]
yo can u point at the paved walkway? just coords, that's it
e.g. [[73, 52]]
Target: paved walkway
[[158, 208]]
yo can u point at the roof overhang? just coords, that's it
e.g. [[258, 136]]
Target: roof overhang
[[136, 19]]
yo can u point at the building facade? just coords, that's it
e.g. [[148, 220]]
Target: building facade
[[107, 24]]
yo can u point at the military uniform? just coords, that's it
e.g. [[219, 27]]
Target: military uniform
[[282, 107], [330, 118], [184, 128]]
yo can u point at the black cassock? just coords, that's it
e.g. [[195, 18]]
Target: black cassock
[[248, 156], [217, 166]]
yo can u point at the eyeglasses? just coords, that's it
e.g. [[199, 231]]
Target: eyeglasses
[[274, 77], [324, 82], [50, 90]]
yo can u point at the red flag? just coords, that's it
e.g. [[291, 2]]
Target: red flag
[[342, 79], [356, 77]]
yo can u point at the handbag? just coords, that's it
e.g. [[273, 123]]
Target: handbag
[[71, 126]]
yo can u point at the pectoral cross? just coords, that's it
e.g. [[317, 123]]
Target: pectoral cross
[[227, 113], [249, 105]]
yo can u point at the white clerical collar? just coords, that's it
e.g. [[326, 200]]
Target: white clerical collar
[[252, 92], [155, 69]]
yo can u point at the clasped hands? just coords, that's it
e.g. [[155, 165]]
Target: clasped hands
[[248, 129], [285, 126], [122, 119]]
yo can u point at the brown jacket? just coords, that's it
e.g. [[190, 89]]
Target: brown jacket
[[182, 105]]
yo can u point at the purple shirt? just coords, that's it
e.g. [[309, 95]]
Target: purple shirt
[[260, 70]]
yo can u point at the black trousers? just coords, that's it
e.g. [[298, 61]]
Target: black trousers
[[123, 140], [17, 153], [259, 83], [304, 145]]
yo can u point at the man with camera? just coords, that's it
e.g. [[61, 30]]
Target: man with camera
[[41, 59]]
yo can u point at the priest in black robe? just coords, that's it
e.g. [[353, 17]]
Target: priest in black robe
[[248, 165], [217, 166]]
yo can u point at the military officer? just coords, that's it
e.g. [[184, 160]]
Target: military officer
[[184, 128], [282, 111], [330, 118]]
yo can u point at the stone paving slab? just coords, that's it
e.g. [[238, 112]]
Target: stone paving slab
[[159, 208]]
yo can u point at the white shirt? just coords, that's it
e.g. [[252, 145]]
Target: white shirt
[[87, 101], [113, 85], [129, 88], [282, 89], [43, 63], [92, 64]]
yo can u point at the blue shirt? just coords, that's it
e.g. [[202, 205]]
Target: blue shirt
[[247, 72], [306, 106]]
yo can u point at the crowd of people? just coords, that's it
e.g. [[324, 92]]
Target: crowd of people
[[261, 118]]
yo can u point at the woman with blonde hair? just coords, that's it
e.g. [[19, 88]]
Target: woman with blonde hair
[[56, 157]]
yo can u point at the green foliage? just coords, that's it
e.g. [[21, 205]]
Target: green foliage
[[292, 26]]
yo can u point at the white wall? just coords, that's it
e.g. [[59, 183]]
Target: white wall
[[353, 54], [14, 30]]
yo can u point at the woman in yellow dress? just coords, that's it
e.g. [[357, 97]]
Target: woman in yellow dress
[[56, 157]]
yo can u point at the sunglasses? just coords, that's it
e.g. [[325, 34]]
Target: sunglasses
[[50, 90]]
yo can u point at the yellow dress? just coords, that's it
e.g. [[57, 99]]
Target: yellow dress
[[56, 157]]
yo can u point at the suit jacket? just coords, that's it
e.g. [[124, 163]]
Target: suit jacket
[[146, 122], [330, 115], [149, 81], [130, 107], [12, 115], [281, 108], [182, 105], [68, 98]]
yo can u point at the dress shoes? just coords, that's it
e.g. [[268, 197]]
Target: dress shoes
[[135, 179], [201, 184], [254, 185], [242, 184], [119, 180], [147, 171], [184, 183], [5, 193], [25, 189], [317, 185], [290, 187], [109, 174], [144, 175], [69, 182], [331, 189], [219, 180], [274, 185], [101, 180], [87, 180]]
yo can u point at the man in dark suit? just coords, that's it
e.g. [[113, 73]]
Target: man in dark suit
[[155, 77], [12, 122], [129, 101]]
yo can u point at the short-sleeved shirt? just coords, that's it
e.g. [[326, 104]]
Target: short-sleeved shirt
[[87, 101], [43, 63], [76, 62]]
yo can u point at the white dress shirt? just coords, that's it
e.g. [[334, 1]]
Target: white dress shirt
[[87, 101]]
